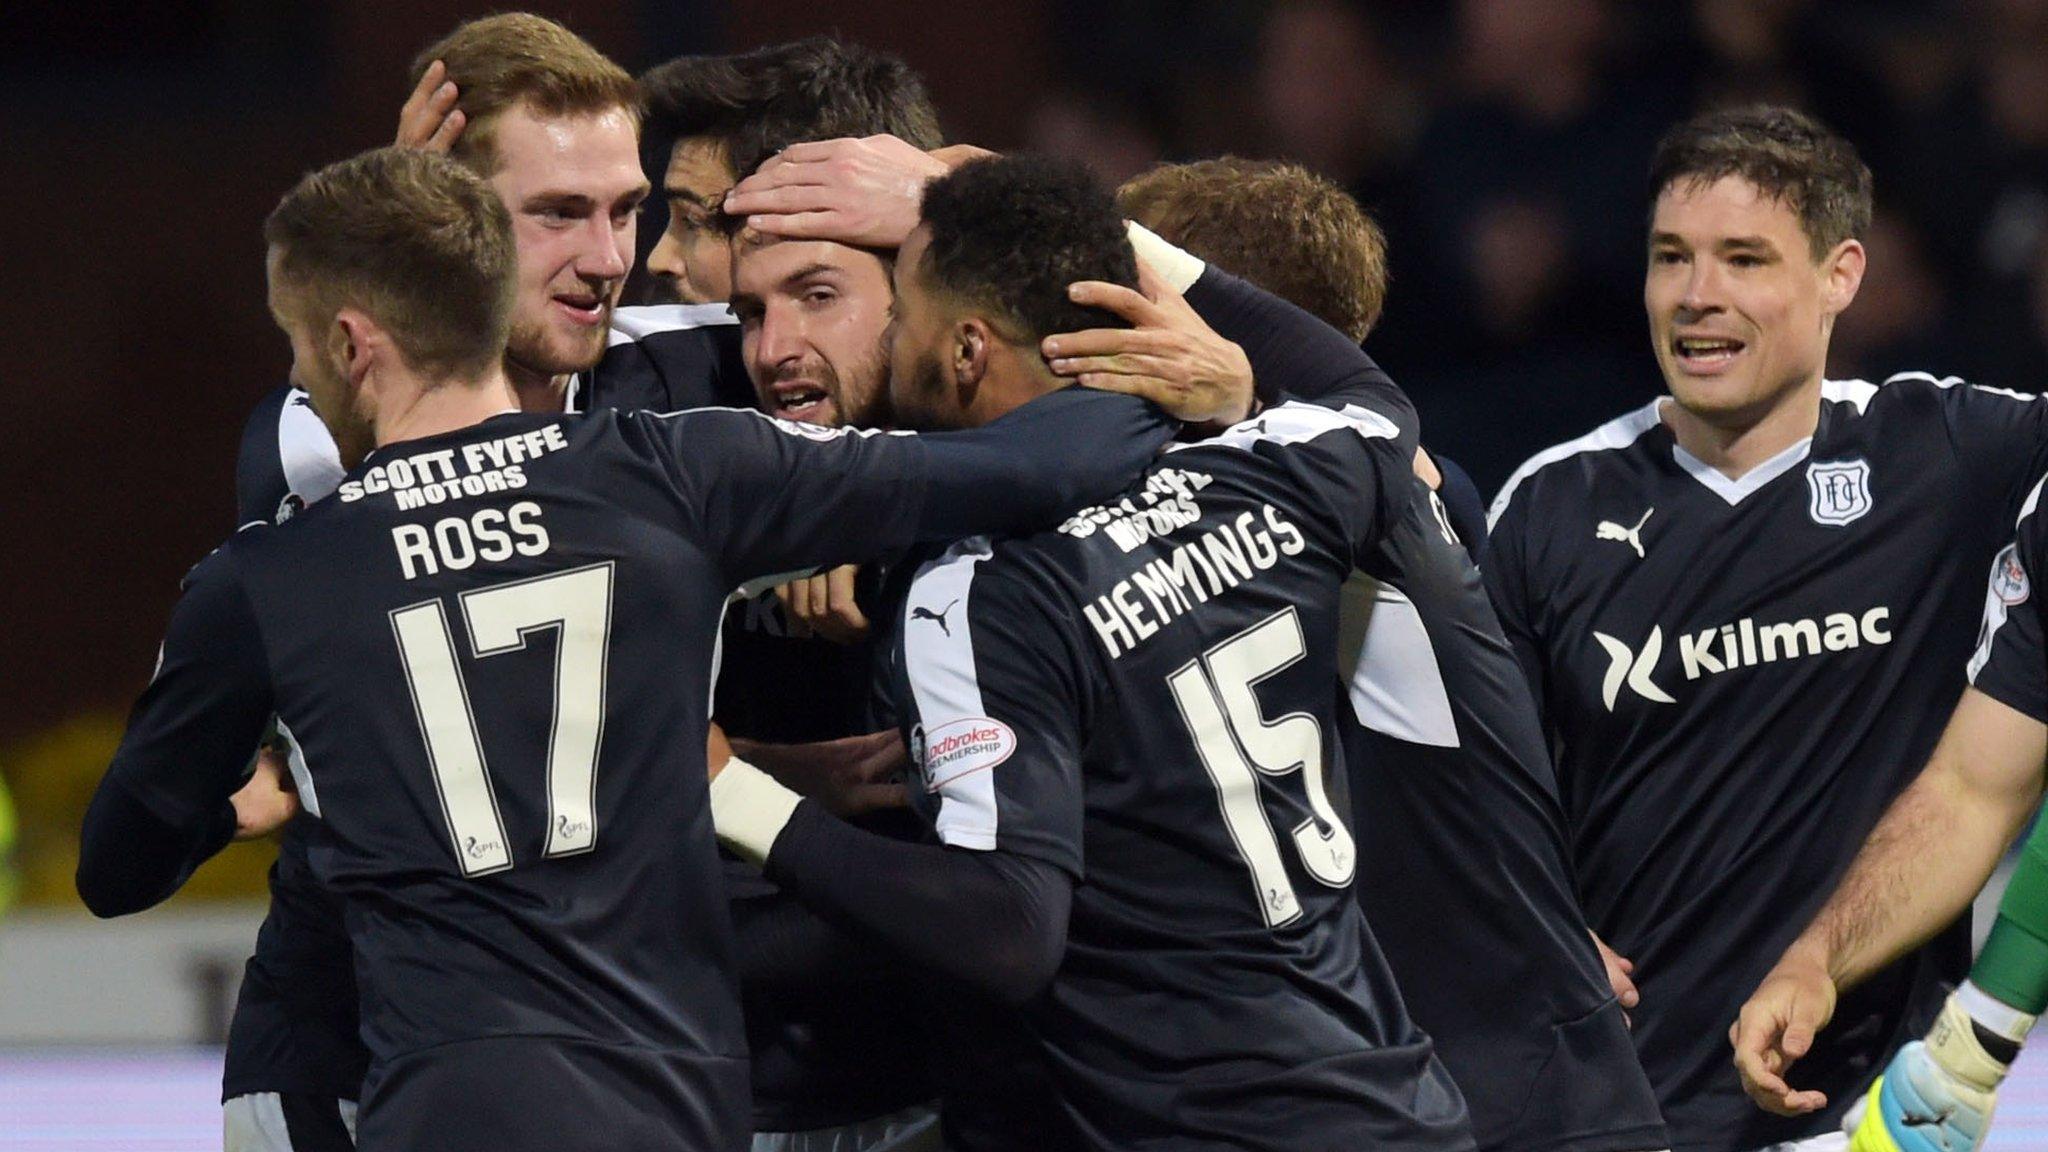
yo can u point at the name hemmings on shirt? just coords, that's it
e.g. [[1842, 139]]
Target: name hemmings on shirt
[[454, 543], [1169, 586]]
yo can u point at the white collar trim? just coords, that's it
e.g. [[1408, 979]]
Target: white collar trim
[[1735, 491]]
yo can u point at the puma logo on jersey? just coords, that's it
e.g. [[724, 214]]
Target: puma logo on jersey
[[1742, 644], [920, 612], [1609, 530]]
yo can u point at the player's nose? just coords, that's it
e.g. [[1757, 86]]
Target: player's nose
[[781, 339]]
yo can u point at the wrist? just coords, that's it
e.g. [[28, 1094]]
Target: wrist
[[749, 809]]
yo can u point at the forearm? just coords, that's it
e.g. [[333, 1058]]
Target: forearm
[[1922, 865], [1036, 464], [993, 922], [784, 947], [130, 859]]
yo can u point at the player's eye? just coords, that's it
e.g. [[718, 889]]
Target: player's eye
[[1667, 256], [818, 296]]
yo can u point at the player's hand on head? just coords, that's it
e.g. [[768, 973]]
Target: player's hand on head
[[1169, 355], [849, 776], [824, 605], [430, 119], [269, 800], [865, 191], [1775, 1028]]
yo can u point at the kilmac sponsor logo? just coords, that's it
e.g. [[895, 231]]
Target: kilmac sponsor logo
[[958, 747], [1742, 644]]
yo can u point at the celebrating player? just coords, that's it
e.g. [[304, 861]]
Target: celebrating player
[[1745, 608], [521, 974], [554, 126], [1208, 987], [840, 1047], [1462, 848], [1927, 858]]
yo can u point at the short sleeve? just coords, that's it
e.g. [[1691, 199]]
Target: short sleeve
[[2011, 661], [2001, 436], [996, 704]]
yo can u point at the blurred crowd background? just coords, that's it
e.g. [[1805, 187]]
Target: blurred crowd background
[[1502, 144]]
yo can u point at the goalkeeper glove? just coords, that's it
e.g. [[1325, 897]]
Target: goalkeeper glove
[[1937, 1094]]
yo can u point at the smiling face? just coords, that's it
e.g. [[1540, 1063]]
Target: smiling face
[[1740, 310], [692, 262], [573, 185], [814, 323]]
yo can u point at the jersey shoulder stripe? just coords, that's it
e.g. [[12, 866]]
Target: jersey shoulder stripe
[[1617, 433], [305, 449], [1294, 422], [640, 322], [1947, 382], [945, 687]]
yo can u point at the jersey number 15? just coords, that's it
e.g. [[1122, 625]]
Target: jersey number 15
[[1238, 745]]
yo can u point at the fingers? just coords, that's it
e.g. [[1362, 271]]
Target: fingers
[[795, 598], [835, 614], [1108, 342], [955, 155], [779, 199], [1133, 364], [424, 121], [444, 137], [1125, 302]]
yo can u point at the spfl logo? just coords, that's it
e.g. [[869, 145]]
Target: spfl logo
[[1839, 491], [2009, 578]]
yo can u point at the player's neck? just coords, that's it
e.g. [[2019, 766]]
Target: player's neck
[[538, 392], [447, 407], [1732, 449], [1017, 381]]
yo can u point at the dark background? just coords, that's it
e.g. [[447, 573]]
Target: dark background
[[1502, 143]]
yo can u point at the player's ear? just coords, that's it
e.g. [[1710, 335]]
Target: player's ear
[[972, 345], [1843, 269], [354, 343]]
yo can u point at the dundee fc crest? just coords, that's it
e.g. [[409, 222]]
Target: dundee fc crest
[[1840, 491]]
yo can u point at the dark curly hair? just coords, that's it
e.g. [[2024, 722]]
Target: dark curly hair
[[1789, 156], [760, 102], [1010, 233]]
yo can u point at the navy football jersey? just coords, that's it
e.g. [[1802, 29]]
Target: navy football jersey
[[1739, 677], [295, 1024], [1464, 869], [2011, 661], [491, 649], [834, 1051], [1144, 699]]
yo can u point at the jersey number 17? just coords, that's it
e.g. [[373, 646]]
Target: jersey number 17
[[577, 604]]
